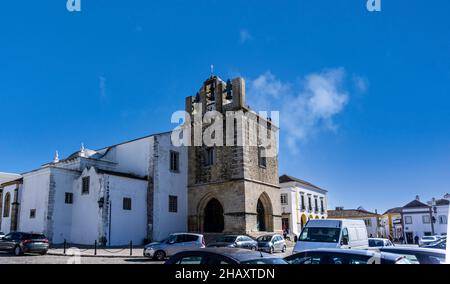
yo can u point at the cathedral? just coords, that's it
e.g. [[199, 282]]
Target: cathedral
[[147, 188]]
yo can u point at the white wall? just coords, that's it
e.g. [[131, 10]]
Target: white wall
[[418, 228], [34, 196], [132, 157], [62, 214], [6, 221], [169, 183], [128, 225], [438, 227], [85, 210]]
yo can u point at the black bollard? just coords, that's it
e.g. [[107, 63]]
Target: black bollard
[[131, 248], [95, 247]]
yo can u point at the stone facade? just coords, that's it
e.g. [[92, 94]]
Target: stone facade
[[246, 189]]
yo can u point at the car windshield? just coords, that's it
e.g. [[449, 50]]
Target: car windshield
[[265, 261], [375, 243], [265, 238], [320, 235], [226, 239], [33, 236]]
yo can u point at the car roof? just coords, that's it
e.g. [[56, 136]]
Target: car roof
[[385, 255], [379, 239], [192, 234], [233, 253], [415, 250]]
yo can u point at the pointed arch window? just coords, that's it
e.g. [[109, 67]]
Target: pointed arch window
[[7, 205]]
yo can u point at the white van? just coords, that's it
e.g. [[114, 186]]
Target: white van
[[332, 233]]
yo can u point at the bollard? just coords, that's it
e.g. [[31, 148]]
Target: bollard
[[65, 245], [131, 248], [95, 247]]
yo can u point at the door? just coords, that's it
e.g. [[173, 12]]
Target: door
[[278, 243], [409, 238]]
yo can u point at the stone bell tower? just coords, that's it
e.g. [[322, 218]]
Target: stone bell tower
[[233, 187]]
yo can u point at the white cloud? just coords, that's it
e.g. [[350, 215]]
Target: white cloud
[[306, 108], [244, 36]]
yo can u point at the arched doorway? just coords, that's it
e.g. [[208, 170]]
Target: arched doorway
[[261, 217], [264, 213], [303, 221], [213, 222]]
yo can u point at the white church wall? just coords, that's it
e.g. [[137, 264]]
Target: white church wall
[[169, 183], [34, 196], [132, 157], [128, 225], [6, 221], [62, 215], [85, 210]]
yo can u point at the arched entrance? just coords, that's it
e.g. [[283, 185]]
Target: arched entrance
[[213, 217], [264, 213], [303, 220]]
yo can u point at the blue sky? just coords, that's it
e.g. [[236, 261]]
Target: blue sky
[[118, 69]]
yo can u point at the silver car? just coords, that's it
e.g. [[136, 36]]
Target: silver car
[[271, 243], [173, 244]]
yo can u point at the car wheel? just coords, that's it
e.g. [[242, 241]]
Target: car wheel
[[18, 251], [271, 250], [43, 253], [159, 255], [253, 248], [284, 249]]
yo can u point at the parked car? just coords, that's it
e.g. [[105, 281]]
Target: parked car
[[2, 235], [223, 255], [379, 242], [236, 241], [418, 255], [271, 243], [330, 233], [441, 244], [20, 243], [173, 244], [345, 256], [426, 240]]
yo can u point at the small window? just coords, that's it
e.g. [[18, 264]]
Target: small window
[[262, 160], [173, 203], [209, 157], [426, 219], [126, 203], [442, 219], [85, 185], [32, 213], [7, 205], [322, 210], [284, 198], [174, 161], [309, 203], [68, 198], [408, 220], [302, 199]]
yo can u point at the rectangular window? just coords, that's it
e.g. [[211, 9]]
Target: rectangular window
[[316, 206], [368, 222], [408, 220], [284, 200], [209, 157], [426, 219], [302, 202], [442, 219], [68, 198], [173, 203], [126, 203], [32, 213], [309, 203], [262, 160], [174, 161], [85, 185], [322, 209]]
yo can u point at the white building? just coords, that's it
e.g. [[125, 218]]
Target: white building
[[300, 202], [131, 191], [425, 219]]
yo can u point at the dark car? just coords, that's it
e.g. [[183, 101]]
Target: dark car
[[236, 241], [20, 243], [223, 256], [418, 255], [344, 256]]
